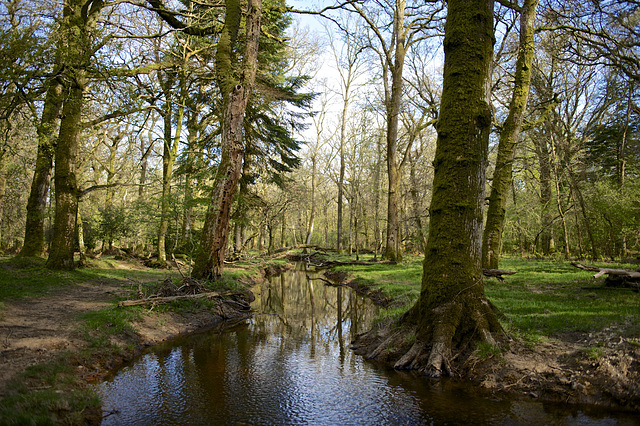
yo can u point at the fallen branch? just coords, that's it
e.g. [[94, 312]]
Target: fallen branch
[[299, 246], [325, 281], [151, 300], [607, 271], [497, 273], [616, 277]]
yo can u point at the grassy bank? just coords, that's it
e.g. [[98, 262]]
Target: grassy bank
[[544, 298], [96, 334]]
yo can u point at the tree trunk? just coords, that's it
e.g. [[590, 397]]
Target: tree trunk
[[187, 219], [210, 258], [546, 242], [312, 214], [393, 103], [417, 211], [452, 310], [377, 237], [169, 153], [66, 187], [36, 205], [79, 17], [81, 247], [508, 138], [339, 230]]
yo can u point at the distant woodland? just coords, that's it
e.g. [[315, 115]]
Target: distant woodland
[[211, 129]]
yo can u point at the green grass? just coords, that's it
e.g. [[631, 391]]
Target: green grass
[[550, 297], [98, 326], [401, 281], [22, 278], [47, 394], [544, 298]]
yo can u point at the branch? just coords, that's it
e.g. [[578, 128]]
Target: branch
[[114, 114], [152, 300], [132, 72], [169, 17], [510, 4], [84, 192]]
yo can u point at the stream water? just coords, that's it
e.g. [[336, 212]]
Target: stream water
[[291, 364]]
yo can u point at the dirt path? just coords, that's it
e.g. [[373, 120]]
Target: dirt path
[[39, 329], [35, 330]]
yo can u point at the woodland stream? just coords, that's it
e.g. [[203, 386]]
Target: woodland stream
[[291, 364]]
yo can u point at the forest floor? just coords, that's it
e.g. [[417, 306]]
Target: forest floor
[[568, 338], [60, 331]]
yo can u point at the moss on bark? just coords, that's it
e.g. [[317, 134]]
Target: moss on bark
[[215, 232], [452, 312], [509, 135]]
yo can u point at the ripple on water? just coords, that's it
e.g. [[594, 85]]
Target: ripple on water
[[292, 367]]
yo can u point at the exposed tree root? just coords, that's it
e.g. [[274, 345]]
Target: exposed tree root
[[446, 333]]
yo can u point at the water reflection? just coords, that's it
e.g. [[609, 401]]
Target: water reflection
[[290, 364]]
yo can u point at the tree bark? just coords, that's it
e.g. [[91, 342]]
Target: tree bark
[[34, 230], [392, 250], [509, 135], [79, 18], [169, 154], [210, 258], [66, 187], [312, 213], [452, 310]]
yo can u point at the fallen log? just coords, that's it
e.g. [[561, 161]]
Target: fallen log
[[300, 246], [608, 271], [167, 299], [615, 277], [497, 273]]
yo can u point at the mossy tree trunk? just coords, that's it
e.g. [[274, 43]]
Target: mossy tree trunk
[[215, 233], [452, 312], [509, 135], [34, 230], [66, 186], [79, 17]]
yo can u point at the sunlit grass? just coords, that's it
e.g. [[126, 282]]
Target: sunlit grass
[[544, 298]]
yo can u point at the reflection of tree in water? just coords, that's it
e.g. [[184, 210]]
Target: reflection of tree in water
[[306, 313], [295, 320]]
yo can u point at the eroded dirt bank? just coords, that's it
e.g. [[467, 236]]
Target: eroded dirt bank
[[39, 330]]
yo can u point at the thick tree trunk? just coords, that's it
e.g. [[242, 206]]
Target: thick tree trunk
[[452, 310], [66, 187], [79, 18], [210, 258], [508, 138], [36, 205]]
